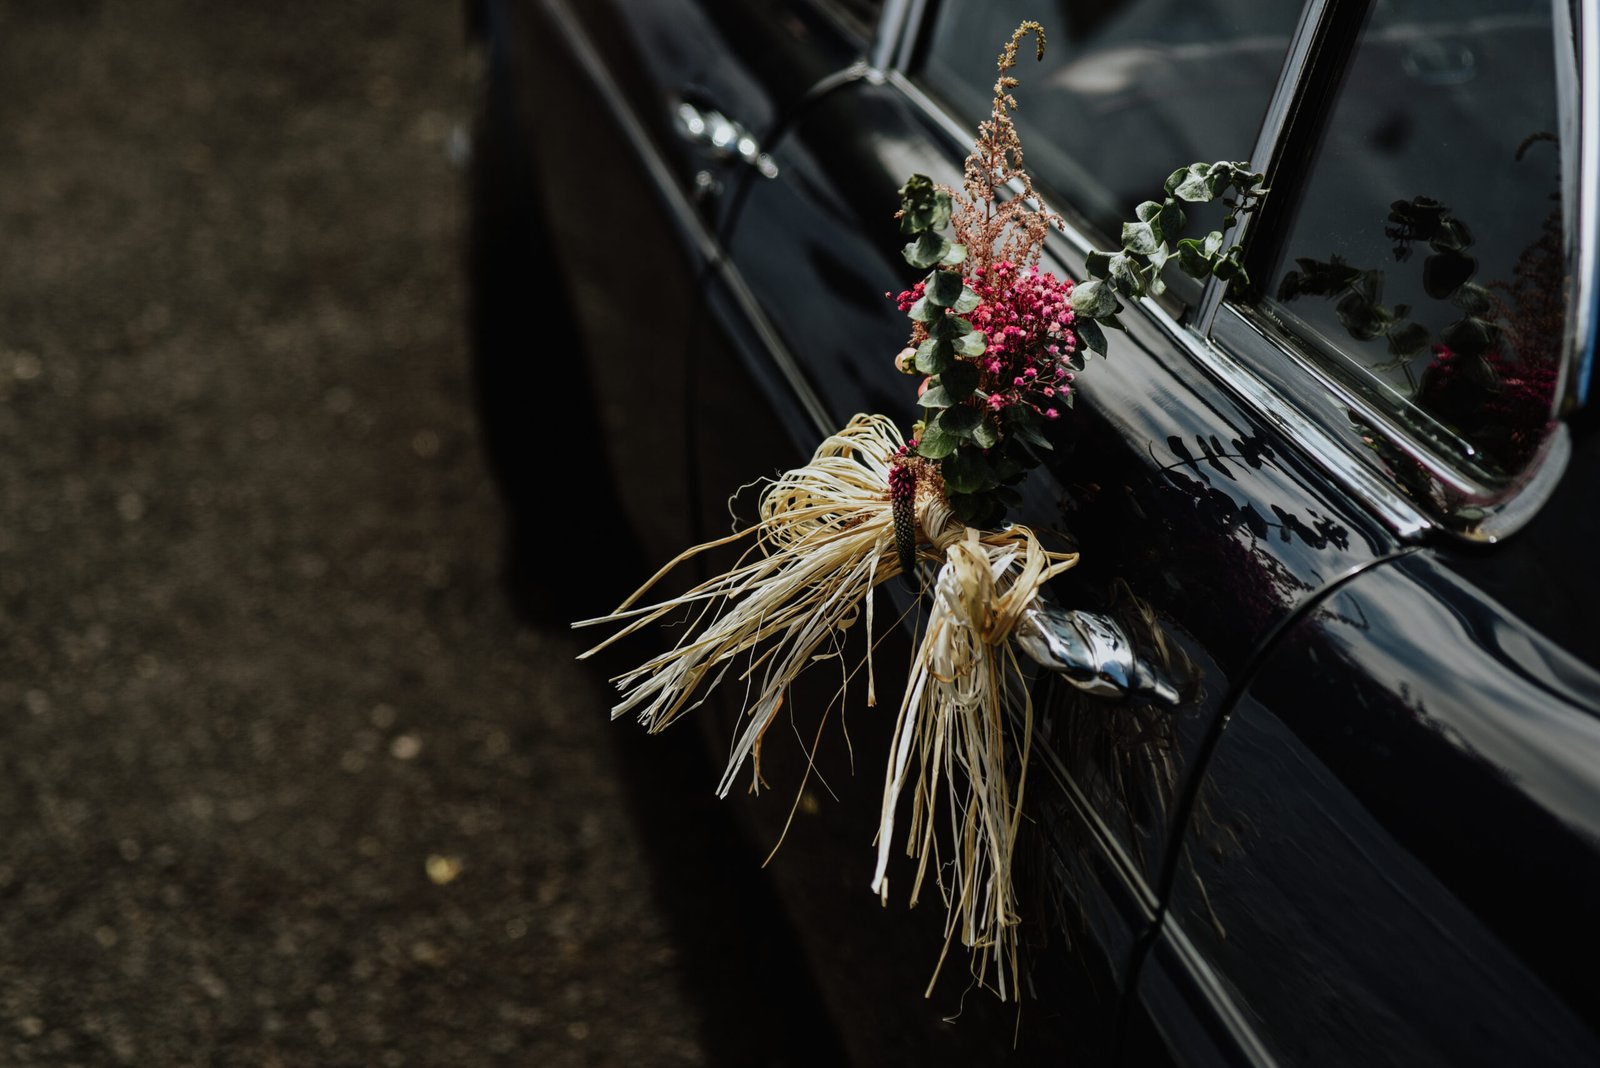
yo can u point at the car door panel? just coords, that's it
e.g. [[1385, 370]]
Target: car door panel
[[1184, 503], [631, 195], [1397, 854], [1283, 833]]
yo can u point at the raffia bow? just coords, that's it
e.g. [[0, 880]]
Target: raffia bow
[[824, 541]]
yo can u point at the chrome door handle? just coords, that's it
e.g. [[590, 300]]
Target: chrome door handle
[[1093, 653], [725, 138]]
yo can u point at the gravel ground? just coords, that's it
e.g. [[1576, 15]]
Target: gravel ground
[[283, 780]]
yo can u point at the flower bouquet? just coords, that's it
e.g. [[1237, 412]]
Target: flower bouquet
[[995, 342]]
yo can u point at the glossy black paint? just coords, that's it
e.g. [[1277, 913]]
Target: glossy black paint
[[1397, 852], [1385, 752]]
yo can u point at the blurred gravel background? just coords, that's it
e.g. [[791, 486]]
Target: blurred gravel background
[[282, 781]]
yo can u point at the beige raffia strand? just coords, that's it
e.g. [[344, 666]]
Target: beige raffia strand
[[824, 540], [953, 718]]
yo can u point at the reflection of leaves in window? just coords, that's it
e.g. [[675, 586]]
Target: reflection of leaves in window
[[1498, 400]]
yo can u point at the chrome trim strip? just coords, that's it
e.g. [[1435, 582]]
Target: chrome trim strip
[[886, 39], [683, 212], [1333, 457], [1290, 87], [1216, 993], [1586, 310], [909, 33]]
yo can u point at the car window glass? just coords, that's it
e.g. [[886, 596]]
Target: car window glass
[[1128, 90], [1422, 261]]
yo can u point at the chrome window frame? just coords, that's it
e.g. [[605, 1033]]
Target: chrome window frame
[[1287, 388]]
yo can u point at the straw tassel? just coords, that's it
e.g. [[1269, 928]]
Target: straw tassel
[[824, 540], [828, 534], [953, 719]]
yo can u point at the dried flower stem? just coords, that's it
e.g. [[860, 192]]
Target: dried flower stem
[[993, 229]]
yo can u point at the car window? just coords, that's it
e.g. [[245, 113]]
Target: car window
[[1127, 91], [1421, 262]]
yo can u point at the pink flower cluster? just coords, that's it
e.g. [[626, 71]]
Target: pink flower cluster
[[1027, 320], [910, 296]]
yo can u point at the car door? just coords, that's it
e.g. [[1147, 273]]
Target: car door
[[1201, 522], [1396, 848], [621, 103]]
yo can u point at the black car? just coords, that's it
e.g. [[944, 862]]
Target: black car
[[1350, 509]]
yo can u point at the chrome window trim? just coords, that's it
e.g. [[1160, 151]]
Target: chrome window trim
[[1586, 224], [1473, 511], [1290, 88], [896, 34], [886, 38]]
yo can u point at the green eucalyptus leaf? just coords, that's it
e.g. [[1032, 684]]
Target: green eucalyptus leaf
[[1140, 238], [935, 396], [1126, 275], [1195, 187], [972, 343], [1147, 210], [934, 356], [922, 206], [977, 509], [1093, 299], [928, 249], [1098, 264], [960, 421], [959, 380], [954, 253], [949, 327], [1006, 467], [966, 302], [965, 471], [1175, 179], [1172, 219], [985, 435], [1090, 333], [935, 444], [1470, 336], [944, 288], [1008, 498], [925, 311], [1031, 434], [1213, 243], [1192, 260]]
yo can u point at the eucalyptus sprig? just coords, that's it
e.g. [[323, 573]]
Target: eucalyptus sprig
[[1151, 241], [945, 302]]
